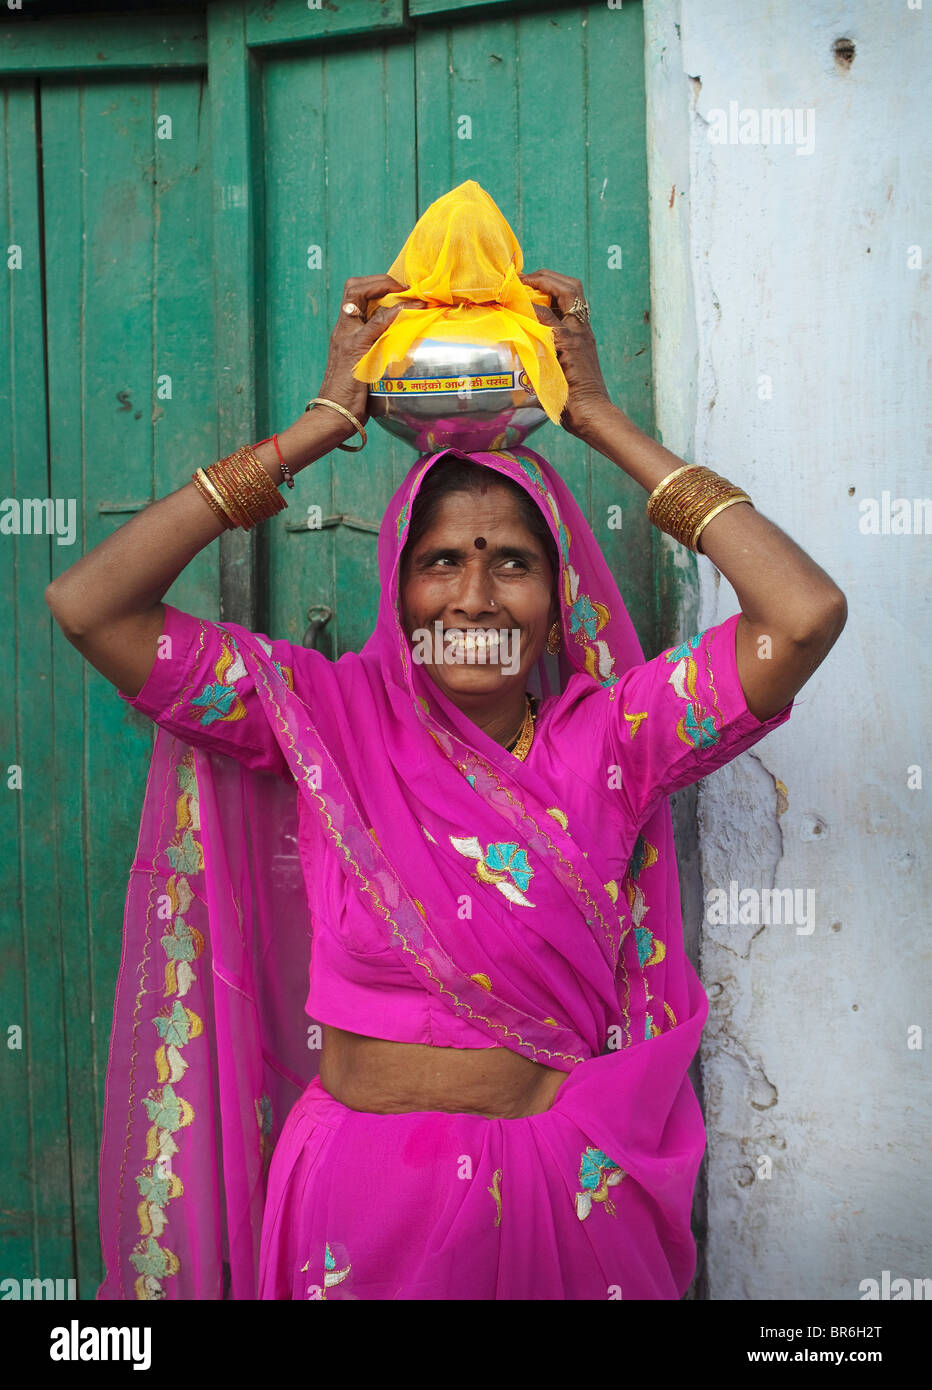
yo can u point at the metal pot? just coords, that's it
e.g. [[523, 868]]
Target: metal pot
[[462, 395]]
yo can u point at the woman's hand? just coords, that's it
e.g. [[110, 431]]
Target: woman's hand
[[575, 347], [352, 338]]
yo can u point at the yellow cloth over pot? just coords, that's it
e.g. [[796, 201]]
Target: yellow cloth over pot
[[463, 260]]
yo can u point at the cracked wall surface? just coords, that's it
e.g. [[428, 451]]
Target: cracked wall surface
[[791, 352]]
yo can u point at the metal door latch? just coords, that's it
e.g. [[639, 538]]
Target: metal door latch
[[318, 616]]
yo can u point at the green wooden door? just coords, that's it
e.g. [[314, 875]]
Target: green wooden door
[[164, 182], [112, 392], [358, 141]]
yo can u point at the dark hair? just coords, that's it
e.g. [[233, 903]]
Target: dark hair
[[452, 474]]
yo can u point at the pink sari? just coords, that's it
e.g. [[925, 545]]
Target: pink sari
[[211, 1068]]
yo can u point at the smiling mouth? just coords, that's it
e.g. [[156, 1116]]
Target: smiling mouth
[[472, 638]]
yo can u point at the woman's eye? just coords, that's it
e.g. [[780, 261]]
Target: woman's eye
[[444, 560]]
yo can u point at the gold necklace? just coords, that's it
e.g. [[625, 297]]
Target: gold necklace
[[525, 733]]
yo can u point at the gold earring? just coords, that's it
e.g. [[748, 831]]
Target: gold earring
[[554, 639]]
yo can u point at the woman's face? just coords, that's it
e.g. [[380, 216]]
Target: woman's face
[[503, 586]]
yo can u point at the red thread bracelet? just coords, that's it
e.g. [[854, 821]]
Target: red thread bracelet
[[273, 439]]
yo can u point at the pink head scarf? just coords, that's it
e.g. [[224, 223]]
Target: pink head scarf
[[210, 1041]]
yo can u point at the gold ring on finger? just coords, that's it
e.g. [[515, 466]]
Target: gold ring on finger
[[352, 309], [579, 309]]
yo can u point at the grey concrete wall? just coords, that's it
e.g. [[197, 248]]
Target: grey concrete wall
[[791, 347]]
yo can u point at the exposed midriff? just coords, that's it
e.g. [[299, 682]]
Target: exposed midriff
[[390, 1078]]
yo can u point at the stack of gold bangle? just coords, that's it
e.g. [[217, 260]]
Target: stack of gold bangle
[[687, 499], [239, 490]]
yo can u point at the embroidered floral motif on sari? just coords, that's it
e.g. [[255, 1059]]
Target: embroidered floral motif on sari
[[597, 1174], [285, 672], [635, 895], [176, 1025], [650, 949], [697, 727], [182, 944], [332, 1276], [495, 1191], [587, 618], [403, 516], [184, 852], [218, 699], [501, 864], [635, 720]]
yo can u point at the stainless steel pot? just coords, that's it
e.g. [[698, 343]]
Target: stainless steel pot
[[457, 395]]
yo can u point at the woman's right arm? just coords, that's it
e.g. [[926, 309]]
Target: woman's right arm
[[108, 604]]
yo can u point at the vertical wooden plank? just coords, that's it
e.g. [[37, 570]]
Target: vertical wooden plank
[[484, 83], [36, 1223], [366, 232], [616, 210], [16, 1219], [436, 123], [117, 310], [182, 344], [63, 159], [339, 182], [552, 165], [118, 458], [100, 147], [296, 273], [232, 96]]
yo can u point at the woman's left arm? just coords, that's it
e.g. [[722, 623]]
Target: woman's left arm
[[784, 595]]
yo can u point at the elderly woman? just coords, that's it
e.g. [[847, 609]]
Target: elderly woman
[[501, 1108]]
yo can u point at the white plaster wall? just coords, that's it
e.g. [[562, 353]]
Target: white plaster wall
[[765, 261]]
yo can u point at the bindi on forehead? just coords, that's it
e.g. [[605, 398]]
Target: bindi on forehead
[[479, 542]]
